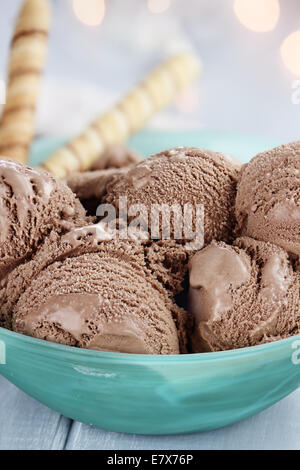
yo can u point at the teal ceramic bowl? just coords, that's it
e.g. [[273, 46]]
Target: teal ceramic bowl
[[154, 394]]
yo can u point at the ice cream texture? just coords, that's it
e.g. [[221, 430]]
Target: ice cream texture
[[76, 280], [183, 176], [268, 197], [99, 294], [242, 295], [90, 186], [32, 203], [117, 156]]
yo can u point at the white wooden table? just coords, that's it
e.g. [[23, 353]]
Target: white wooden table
[[26, 424]]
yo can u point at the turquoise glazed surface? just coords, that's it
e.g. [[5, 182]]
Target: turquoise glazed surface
[[154, 394], [151, 394]]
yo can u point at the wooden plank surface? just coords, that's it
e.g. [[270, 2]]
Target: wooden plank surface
[[27, 424]]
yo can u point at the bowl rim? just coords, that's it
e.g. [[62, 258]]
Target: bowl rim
[[134, 358]]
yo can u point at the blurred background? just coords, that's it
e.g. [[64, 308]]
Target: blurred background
[[99, 49]]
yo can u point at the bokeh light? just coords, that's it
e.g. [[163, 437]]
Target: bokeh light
[[258, 15], [158, 6], [290, 52], [89, 12]]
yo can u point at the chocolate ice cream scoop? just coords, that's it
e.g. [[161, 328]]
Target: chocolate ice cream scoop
[[90, 186], [182, 176], [168, 188], [32, 203], [242, 295], [117, 156], [105, 299], [268, 197]]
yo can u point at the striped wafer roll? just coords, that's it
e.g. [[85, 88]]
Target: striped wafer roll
[[26, 63], [129, 115]]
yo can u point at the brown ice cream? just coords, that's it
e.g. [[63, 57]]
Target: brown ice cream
[[242, 295], [183, 176], [32, 203], [168, 261], [104, 298], [117, 156], [90, 187], [112, 286], [268, 197]]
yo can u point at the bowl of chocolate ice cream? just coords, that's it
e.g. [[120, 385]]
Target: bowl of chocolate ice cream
[[114, 319]]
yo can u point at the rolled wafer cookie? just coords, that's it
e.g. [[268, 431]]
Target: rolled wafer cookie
[[154, 93], [26, 63]]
